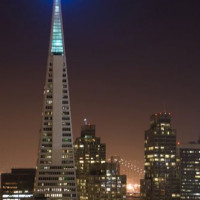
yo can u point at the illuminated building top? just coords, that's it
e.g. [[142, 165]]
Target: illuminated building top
[[57, 40]]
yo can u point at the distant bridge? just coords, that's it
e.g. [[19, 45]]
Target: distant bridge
[[134, 170]]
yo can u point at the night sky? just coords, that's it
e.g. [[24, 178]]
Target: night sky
[[126, 60]]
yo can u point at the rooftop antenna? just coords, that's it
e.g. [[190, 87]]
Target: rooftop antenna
[[85, 121]]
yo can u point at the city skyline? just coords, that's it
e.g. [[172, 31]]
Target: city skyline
[[118, 94]]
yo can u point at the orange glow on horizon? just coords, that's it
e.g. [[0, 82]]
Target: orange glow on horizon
[[133, 188]]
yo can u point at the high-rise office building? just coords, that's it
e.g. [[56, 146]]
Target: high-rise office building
[[88, 150], [161, 177], [18, 184], [190, 171], [89, 153], [96, 178], [55, 174]]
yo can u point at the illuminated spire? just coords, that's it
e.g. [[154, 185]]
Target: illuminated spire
[[57, 38]]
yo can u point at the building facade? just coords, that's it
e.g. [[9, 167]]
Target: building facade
[[161, 181], [190, 171], [18, 184], [55, 174], [96, 178], [88, 150]]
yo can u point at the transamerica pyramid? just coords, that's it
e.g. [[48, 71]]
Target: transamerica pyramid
[[55, 174]]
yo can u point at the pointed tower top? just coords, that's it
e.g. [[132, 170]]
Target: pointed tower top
[[85, 121], [57, 38]]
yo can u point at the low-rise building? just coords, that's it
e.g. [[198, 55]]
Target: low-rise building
[[19, 184]]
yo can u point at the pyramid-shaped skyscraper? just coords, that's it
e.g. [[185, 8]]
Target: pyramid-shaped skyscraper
[[55, 174]]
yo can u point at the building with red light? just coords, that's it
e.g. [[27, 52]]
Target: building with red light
[[161, 181]]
